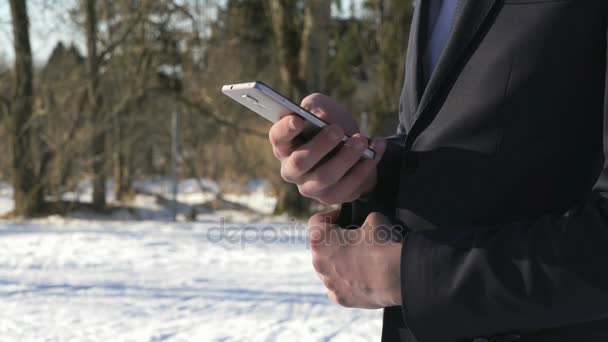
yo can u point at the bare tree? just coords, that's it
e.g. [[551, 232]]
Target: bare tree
[[286, 41], [28, 189], [118, 120], [98, 138], [108, 116], [302, 53], [392, 36]]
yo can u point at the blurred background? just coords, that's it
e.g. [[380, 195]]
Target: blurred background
[[139, 203]]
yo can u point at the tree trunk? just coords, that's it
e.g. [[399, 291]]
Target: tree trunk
[[286, 45], [28, 188], [392, 38], [98, 137], [290, 201], [302, 66], [122, 167], [314, 49]]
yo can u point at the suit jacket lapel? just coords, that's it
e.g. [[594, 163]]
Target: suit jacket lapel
[[470, 16]]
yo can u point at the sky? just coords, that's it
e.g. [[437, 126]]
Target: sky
[[50, 23]]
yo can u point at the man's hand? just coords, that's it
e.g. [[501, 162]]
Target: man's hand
[[342, 178], [359, 267]]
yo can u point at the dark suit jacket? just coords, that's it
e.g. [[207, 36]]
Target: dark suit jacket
[[498, 171]]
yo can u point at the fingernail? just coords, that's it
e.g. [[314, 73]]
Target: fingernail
[[334, 134], [292, 123], [355, 142], [360, 142]]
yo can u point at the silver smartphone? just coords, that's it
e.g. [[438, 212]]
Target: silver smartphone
[[268, 103]]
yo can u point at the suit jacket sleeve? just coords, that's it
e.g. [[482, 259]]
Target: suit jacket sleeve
[[513, 278], [383, 197]]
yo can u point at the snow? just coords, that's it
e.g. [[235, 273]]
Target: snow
[[226, 277]]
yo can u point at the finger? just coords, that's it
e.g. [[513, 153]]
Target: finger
[[321, 265], [332, 171], [285, 130], [304, 158], [379, 146], [320, 112], [328, 216], [381, 229], [321, 106], [315, 103], [355, 182], [284, 151], [351, 186], [319, 229]]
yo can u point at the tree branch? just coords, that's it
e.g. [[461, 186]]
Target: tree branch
[[109, 48], [211, 114]]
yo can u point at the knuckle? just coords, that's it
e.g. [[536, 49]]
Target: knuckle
[[314, 220], [328, 284], [316, 95], [311, 99], [297, 162], [275, 134], [319, 265], [286, 173], [277, 154], [282, 152], [374, 216], [312, 186], [342, 300], [307, 191]]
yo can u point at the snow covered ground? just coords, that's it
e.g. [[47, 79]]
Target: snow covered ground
[[222, 278]]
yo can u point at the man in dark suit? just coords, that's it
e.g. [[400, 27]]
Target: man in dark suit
[[497, 174]]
